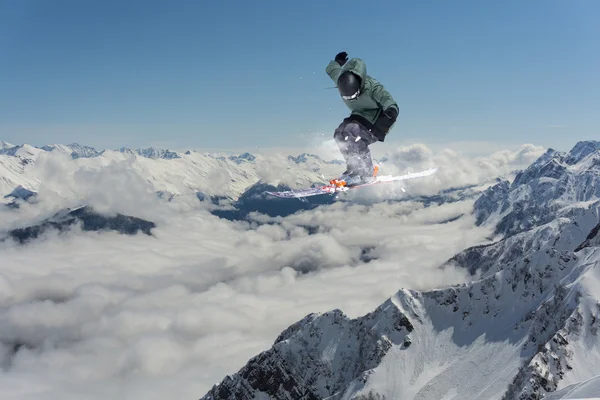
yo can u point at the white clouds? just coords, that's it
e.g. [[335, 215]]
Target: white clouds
[[116, 187], [166, 316], [415, 154], [454, 169], [522, 158], [160, 316]]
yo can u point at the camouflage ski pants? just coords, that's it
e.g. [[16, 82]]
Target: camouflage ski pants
[[353, 139]]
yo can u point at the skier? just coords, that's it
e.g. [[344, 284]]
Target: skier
[[373, 112]]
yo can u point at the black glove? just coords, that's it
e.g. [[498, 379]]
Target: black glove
[[391, 113], [385, 121], [341, 58]]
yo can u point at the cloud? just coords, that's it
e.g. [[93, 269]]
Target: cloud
[[170, 315], [454, 169], [114, 186], [521, 158], [100, 315]]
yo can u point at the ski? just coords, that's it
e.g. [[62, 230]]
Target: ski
[[330, 189]]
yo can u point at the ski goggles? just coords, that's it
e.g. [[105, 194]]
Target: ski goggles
[[352, 97]]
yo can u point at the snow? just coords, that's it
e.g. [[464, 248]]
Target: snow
[[5, 145], [75, 150], [434, 366], [589, 389], [554, 181], [581, 151], [152, 153], [14, 172]]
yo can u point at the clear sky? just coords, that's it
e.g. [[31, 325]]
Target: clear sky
[[235, 74]]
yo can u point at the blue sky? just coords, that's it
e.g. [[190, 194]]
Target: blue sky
[[240, 74]]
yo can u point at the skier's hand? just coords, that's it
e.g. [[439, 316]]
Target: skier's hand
[[341, 58], [386, 120], [391, 113]]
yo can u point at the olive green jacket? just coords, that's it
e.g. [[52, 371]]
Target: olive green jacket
[[373, 100]]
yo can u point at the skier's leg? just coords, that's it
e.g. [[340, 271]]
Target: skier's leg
[[340, 138], [356, 149]]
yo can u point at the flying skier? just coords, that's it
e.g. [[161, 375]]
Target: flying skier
[[373, 112]]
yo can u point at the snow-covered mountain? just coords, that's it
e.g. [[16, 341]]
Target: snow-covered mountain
[[21, 193], [5, 145], [170, 173], [24, 151], [89, 219], [240, 159], [235, 179], [552, 182], [76, 150], [152, 153], [525, 327]]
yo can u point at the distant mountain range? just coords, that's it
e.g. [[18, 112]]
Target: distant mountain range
[[238, 181], [185, 173]]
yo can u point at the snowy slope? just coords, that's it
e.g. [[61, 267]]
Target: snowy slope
[[22, 151], [16, 168], [560, 234], [589, 389], [528, 325]]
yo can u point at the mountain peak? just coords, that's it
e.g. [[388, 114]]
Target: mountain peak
[[74, 149], [21, 192], [22, 150], [152, 153], [581, 150], [244, 157], [533, 199], [304, 158], [5, 145]]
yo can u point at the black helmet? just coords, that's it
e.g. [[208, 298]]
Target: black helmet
[[349, 85]]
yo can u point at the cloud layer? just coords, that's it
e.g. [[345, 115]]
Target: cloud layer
[[99, 315]]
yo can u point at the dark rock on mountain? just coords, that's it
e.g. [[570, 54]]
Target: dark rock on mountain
[[89, 219], [256, 200]]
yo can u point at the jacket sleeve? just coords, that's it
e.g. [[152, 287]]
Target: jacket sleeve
[[334, 71], [382, 96]]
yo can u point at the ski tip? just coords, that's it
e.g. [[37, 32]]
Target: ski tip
[[430, 171]]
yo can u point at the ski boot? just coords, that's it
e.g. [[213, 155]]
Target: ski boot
[[352, 179]]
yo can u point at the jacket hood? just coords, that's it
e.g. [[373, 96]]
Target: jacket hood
[[358, 67]]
